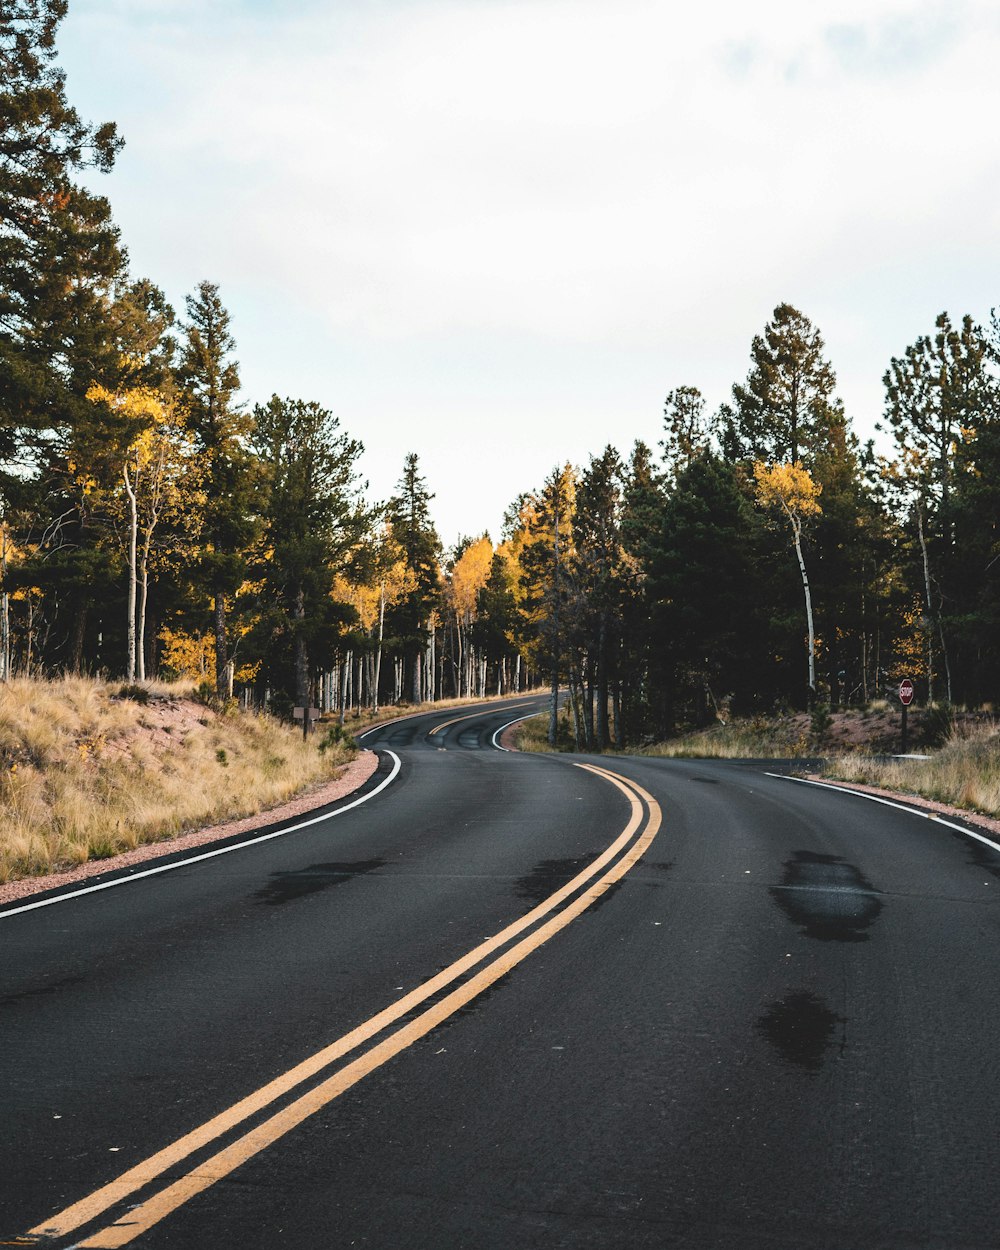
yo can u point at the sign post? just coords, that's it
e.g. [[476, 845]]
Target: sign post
[[905, 698], [306, 715]]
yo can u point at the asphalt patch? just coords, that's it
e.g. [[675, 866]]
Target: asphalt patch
[[285, 887], [827, 897], [801, 1029]]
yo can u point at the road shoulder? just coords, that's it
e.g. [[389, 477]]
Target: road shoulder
[[352, 777]]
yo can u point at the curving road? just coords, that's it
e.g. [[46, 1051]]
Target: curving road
[[509, 1001]]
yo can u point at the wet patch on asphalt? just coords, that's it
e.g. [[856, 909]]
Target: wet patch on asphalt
[[548, 875], [284, 887], [801, 1029], [827, 897]]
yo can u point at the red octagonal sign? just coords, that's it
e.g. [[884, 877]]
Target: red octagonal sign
[[906, 691]]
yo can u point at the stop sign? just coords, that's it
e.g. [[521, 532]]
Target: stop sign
[[906, 692]]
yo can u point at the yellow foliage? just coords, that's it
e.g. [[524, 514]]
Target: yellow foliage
[[469, 576], [910, 644], [788, 486], [188, 655]]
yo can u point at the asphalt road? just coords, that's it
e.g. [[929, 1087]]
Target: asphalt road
[[511, 1002]]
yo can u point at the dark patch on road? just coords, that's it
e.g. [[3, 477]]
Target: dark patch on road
[[284, 887], [980, 856], [548, 875], [800, 1027], [708, 781], [829, 898], [36, 991]]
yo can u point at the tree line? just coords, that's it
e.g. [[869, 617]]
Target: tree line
[[153, 524]]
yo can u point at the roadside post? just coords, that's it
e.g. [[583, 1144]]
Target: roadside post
[[306, 715], [905, 698]]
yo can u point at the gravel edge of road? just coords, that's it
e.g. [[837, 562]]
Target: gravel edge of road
[[351, 778], [976, 819]]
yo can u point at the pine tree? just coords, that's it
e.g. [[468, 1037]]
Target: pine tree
[[208, 381], [314, 520], [687, 432], [59, 250], [599, 574], [546, 556], [787, 409], [936, 395], [59, 258], [413, 530], [701, 600]]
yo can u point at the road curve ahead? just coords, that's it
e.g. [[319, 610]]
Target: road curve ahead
[[518, 1001]]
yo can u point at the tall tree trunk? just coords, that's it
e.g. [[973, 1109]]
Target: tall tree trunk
[[797, 531], [140, 647], [4, 609], [574, 691], [933, 617], [378, 651], [133, 532], [554, 711], [221, 656], [301, 653], [601, 728], [587, 698]]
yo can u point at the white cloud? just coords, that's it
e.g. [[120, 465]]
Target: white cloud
[[514, 189]]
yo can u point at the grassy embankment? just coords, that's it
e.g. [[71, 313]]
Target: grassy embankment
[[963, 772], [85, 774], [752, 739]]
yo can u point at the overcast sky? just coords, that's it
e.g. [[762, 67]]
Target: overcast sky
[[496, 233]]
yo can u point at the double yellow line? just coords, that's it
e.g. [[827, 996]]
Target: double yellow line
[[587, 887]]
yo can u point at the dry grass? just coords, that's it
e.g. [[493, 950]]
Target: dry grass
[[533, 735], [85, 775], [964, 773], [750, 739]]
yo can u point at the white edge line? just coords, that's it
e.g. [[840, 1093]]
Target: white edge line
[[874, 798], [516, 721], [222, 850]]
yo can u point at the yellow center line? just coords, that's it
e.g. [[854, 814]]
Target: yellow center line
[[141, 1218], [437, 728]]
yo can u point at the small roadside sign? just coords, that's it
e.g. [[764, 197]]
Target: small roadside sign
[[906, 698], [306, 715]]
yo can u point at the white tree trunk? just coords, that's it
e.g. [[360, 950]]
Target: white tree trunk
[[797, 531], [133, 534], [4, 611]]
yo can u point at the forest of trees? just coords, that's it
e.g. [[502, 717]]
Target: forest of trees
[[153, 523]]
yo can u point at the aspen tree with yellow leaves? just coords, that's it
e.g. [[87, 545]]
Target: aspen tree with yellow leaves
[[790, 489], [159, 477], [469, 575]]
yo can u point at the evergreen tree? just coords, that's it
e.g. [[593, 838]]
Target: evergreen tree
[[207, 380], [314, 521], [59, 258], [598, 566], [937, 394], [546, 558], [59, 250], [643, 500], [786, 410], [687, 432], [702, 599], [414, 532]]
